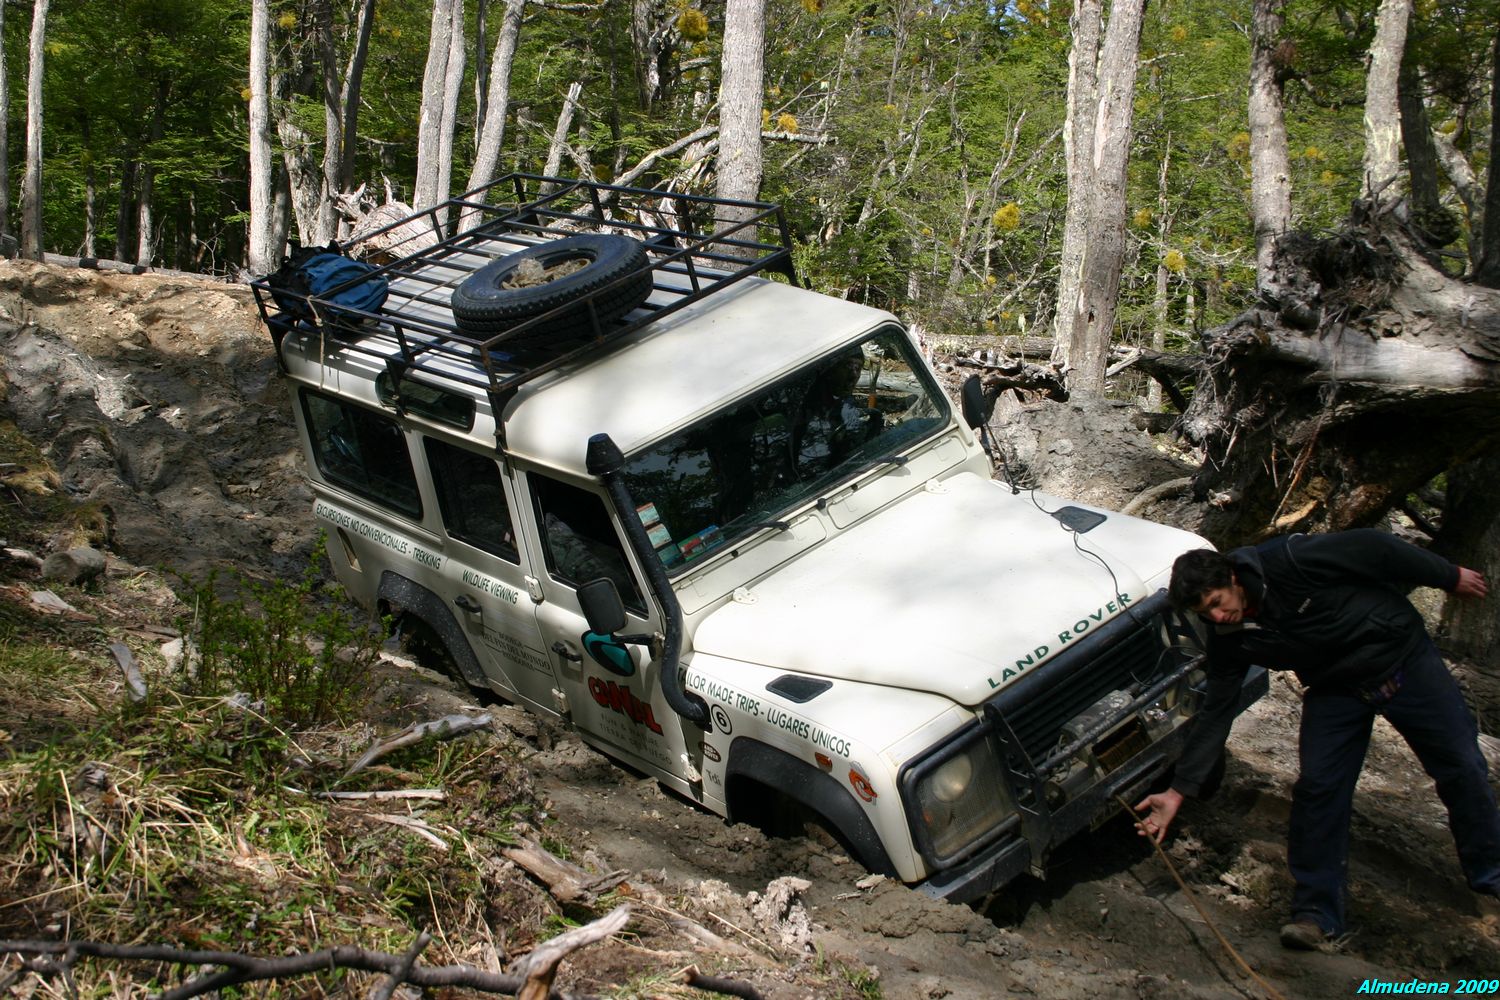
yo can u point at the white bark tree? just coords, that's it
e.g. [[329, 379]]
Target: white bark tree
[[740, 88], [31, 189], [492, 130], [262, 250], [4, 135], [434, 129], [1270, 166], [1382, 161], [1086, 322]]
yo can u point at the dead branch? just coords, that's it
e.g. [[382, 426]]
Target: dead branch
[[445, 728], [414, 825], [388, 986], [135, 684], [239, 968], [540, 965], [433, 794], [565, 881]]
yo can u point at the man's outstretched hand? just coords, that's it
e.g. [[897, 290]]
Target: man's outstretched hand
[[1471, 583], [1162, 808]]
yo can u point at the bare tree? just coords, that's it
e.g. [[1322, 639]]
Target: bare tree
[[432, 125], [740, 88], [1085, 323], [1382, 110], [492, 129], [1270, 167], [354, 76], [4, 135], [1487, 269], [263, 249], [31, 189]]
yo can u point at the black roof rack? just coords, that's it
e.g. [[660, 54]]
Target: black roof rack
[[695, 246]]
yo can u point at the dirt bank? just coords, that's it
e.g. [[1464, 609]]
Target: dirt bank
[[157, 401]]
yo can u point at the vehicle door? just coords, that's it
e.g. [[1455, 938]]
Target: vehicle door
[[486, 577], [615, 700]]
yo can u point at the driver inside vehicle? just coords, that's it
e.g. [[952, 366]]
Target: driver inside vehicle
[[832, 421]]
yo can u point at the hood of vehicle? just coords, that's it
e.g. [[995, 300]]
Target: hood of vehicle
[[957, 589]]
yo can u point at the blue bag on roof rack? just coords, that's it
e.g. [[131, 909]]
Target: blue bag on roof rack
[[348, 287]]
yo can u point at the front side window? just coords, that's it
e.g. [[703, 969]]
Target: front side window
[[471, 496], [579, 540], [784, 446], [362, 451]]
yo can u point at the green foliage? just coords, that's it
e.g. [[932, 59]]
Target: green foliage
[[309, 659]]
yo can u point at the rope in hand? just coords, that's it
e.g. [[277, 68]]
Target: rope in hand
[[1192, 897]]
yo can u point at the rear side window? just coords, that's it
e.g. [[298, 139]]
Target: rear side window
[[579, 539], [471, 496], [362, 451]]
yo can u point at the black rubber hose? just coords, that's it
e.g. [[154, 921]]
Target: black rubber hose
[[605, 460]]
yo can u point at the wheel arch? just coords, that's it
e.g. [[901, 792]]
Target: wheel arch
[[753, 764], [402, 595]]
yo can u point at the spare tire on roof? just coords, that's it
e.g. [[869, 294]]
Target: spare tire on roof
[[610, 272]]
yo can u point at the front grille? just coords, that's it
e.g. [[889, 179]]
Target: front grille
[[1125, 655]]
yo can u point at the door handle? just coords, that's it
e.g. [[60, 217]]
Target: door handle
[[467, 603], [566, 652]]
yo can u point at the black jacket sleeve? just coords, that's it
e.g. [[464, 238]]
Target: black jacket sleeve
[[1210, 727], [1372, 556]]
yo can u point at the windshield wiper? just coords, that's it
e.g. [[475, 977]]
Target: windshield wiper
[[875, 463], [737, 529]]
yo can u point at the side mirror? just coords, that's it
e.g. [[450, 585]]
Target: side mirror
[[971, 396], [601, 605]]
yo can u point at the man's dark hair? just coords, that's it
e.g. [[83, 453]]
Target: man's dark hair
[[1194, 574]]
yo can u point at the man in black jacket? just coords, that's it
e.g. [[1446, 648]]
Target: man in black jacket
[[1332, 608]]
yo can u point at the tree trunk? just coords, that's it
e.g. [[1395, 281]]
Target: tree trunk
[[31, 189], [491, 134], [742, 82], [1093, 316], [1436, 226], [4, 134], [353, 79], [1078, 152], [90, 194], [1470, 536], [145, 250], [453, 79], [1270, 168], [430, 126], [560, 133], [1487, 271], [1382, 162], [332, 126], [263, 250]]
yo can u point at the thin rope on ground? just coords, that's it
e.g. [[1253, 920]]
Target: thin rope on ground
[[1193, 898]]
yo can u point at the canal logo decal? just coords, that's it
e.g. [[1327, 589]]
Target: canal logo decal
[[619, 698], [609, 652], [861, 785]]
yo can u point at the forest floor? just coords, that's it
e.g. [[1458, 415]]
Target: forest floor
[[145, 415]]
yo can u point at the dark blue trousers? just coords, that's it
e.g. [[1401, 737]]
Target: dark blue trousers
[[1429, 712]]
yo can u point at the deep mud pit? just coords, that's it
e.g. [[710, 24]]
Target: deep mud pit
[[158, 402]]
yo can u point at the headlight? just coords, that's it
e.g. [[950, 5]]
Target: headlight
[[962, 799], [950, 781]]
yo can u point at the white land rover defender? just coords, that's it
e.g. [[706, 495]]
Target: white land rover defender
[[601, 445]]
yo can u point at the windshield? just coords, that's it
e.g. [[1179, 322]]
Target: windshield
[[784, 446]]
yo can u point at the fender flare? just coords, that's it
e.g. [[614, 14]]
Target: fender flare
[[408, 596], [810, 787]]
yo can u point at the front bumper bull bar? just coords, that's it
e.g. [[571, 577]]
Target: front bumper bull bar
[[1026, 839]]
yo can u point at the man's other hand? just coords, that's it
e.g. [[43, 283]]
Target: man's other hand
[[1471, 583], [1162, 808]]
